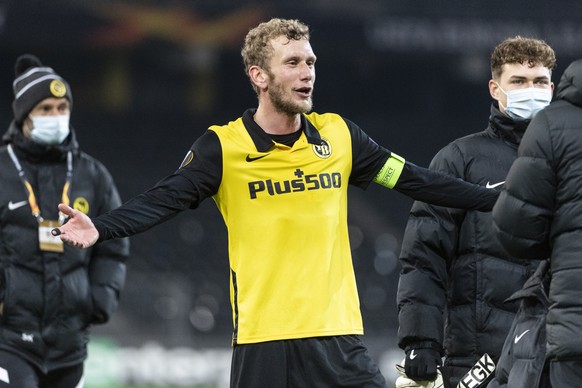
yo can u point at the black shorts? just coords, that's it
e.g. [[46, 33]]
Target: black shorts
[[322, 362]]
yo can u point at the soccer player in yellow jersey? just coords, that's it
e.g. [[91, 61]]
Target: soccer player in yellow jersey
[[279, 176]]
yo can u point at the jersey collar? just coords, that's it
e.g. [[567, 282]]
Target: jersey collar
[[263, 141]]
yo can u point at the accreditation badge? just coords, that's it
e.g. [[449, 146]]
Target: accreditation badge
[[48, 242]]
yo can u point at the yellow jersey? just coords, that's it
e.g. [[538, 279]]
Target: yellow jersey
[[285, 208]]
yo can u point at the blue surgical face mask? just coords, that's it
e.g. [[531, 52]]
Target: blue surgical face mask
[[523, 104], [50, 129]]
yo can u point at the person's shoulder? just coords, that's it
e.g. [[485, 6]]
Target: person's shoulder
[[559, 108], [85, 157], [557, 120], [473, 137], [228, 127], [229, 123], [86, 161], [554, 118], [472, 140], [323, 116], [464, 146], [321, 120], [463, 141]]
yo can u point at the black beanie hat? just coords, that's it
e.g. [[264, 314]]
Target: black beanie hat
[[35, 82]]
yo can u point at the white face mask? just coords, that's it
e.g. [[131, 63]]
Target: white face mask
[[523, 104], [50, 129]]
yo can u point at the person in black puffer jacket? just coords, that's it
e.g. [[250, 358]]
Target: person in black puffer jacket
[[455, 276], [540, 212], [50, 294]]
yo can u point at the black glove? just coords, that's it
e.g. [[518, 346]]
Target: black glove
[[421, 362]]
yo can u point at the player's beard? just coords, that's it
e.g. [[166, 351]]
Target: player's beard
[[285, 104]]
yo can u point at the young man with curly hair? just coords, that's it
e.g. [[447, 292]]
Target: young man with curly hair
[[455, 276]]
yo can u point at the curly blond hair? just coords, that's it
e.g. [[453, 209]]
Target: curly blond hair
[[257, 49], [522, 50]]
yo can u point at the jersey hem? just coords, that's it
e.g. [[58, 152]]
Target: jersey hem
[[254, 340]]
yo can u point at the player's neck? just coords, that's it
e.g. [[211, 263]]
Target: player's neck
[[275, 122]]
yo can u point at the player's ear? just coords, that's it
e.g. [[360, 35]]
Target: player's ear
[[258, 76]]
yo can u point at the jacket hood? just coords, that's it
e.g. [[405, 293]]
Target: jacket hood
[[510, 130], [570, 86], [37, 152]]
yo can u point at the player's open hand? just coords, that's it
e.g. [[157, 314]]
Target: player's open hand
[[78, 231]]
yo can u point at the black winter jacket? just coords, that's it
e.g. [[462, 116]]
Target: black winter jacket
[[50, 299], [540, 210], [455, 276], [522, 360]]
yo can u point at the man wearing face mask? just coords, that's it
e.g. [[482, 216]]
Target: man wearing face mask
[[50, 294], [455, 276]]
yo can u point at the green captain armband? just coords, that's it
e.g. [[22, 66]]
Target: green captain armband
[[390, 172]]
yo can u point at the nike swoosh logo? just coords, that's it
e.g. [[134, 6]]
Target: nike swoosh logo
[[518, 337], [250, 159], [412, 355], [494, 185], [16, 205]]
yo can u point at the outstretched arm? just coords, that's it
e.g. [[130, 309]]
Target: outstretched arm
[[434, 187], [79, 230]]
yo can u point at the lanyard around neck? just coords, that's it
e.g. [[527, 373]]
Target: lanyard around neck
[[31, 197]]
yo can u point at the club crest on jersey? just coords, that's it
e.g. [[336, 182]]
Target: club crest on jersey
[[323, 150]]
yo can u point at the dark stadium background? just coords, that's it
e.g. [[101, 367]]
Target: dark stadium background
[[148, 77]]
